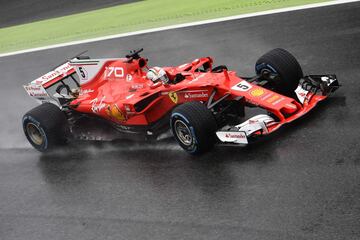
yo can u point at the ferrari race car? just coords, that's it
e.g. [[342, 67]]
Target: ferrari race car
[[200, 105]]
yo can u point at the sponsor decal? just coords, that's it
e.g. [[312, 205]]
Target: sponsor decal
[[32, 88], [36, 91], [267, 96], [257, 92], [127, 108], [273, 98], [39, 95], [60, 71], [202, 94], [235, 135], [64, 68], [37, 81], [242, 86], [253, 121], [129, 77], [173, 97], [277, 101], [97, 105], [114, 112], [137, 86], [85, 91], [50, 75], [301, 94]]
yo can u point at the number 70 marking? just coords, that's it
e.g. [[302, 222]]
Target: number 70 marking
[[116, 71]]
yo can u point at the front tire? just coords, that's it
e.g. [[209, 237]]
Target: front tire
[[281, 62], [194, 127], [45, 127]]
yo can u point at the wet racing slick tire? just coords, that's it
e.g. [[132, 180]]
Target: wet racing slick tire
[[194, 127], [283, 63], [45, 127]]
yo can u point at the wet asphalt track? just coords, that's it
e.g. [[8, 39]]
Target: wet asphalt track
[[303, 183]]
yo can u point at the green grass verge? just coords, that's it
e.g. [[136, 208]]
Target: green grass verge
[[129, 17]]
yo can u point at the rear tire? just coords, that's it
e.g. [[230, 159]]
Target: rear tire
[[45, 127], [283, 63], [194, 127]]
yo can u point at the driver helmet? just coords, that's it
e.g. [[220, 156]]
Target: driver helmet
[[157, 73]]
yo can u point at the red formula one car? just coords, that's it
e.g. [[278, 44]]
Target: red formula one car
[[201, 105]]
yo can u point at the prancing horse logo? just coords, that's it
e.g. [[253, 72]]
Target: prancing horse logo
[[173, 97]]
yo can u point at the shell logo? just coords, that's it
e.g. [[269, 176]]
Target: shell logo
[[115, 113], [257, 92]]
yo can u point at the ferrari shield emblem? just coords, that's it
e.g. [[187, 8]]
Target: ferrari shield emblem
[[173, 97]]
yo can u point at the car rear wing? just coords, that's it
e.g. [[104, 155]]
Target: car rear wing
[[38, 88]]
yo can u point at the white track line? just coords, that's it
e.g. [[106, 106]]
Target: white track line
[[280, 10]]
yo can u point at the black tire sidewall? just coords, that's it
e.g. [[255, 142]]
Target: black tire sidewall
[[201, 123], [283, 63], [51, 122], [29, 119], [194, 147]]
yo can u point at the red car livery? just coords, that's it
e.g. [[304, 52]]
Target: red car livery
[[201, 105]]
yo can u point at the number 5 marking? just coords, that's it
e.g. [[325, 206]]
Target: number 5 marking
[[242, 86]]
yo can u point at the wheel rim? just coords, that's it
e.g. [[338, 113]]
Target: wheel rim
[[183, 133], [265, 72], [34, 133]]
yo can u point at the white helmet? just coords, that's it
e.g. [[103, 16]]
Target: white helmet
[[156, 73]]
